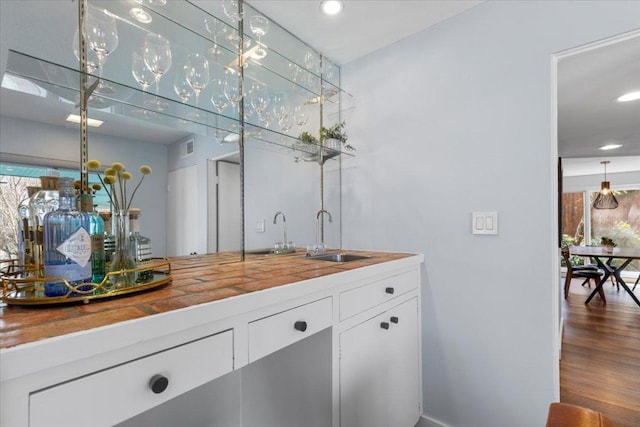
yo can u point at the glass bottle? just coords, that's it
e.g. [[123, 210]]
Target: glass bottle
[[25, 230], [140, 245], [109, 239], [67, 243], [96, 231], [43, 202]]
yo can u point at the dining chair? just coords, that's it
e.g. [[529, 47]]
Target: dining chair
[[585, 272]]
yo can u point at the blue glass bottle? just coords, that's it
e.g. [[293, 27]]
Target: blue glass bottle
[[96, 231], [67, 243]]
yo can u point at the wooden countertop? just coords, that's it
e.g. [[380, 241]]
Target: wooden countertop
[[197, 279]]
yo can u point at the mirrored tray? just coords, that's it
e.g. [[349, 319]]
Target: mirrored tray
[[29, 290]]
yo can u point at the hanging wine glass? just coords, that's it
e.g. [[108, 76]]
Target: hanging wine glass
[[231, 89], [92, 58], [266, 118], [259, 26], [101, 35], [142, 75], [234, 11], [181, 84], [215, 28], [197, 73], [157, 57], [285, 123], [310, 61], [258, 98], [299, 116], [218, 97], [280, 107]]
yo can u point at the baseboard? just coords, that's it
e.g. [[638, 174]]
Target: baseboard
[[429, 422]]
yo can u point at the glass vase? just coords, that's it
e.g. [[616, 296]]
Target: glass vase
[[123, 260]]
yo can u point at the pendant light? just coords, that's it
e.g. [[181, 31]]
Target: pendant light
[[605, 198]]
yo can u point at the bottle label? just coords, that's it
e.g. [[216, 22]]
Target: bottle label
[[97, 243], [77, 247]]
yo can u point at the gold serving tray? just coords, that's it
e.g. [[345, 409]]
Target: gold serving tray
[[30, 290]]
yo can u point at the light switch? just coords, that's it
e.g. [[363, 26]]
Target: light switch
[[484, 222], [260, 226]]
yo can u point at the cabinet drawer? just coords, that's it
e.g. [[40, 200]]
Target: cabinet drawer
[[116, 394], [272, 333], [364, 297]]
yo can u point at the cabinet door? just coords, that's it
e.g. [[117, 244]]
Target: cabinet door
[[380, 371], [403, 357], [362, 375]]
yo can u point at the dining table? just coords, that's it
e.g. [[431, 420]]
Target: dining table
[[604, 258]]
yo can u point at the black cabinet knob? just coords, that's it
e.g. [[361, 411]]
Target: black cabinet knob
[[384, 325], [300, 325], [389, 290], [394, 319], [158, 383]]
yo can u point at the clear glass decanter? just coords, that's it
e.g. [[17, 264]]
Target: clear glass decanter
[[140, 245], [25, 230], [109, 239], [43, 202]]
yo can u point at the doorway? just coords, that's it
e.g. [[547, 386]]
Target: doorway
[[224, 210]]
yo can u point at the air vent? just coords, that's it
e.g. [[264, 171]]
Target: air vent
[[186, 148]]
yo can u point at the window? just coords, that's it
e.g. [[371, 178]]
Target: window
[[14, 180], [583, 225]]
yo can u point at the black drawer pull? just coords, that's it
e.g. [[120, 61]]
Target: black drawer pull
[[389, 290], [384, 325], [300, 325], [394, 319], [158, 383]]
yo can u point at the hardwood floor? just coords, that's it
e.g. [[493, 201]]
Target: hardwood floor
[[600, 365]]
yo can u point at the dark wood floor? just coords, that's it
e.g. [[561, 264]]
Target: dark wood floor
[[600, 365]]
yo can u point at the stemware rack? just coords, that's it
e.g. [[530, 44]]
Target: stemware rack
[[21, 288], [290, 68]]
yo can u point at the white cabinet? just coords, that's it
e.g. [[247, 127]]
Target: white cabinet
[[341, 350], [113, 395], [380, 369]]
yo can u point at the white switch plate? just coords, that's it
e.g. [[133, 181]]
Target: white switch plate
[[260, 226], [484, 223]]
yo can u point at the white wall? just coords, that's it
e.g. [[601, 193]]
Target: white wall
[[455, 119], [204, 147], [57, 143], [274, 182]]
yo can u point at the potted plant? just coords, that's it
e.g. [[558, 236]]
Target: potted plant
[[335, 137], [608, 244]]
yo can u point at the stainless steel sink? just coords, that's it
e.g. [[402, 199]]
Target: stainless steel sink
[[267, 251], [339, 257]]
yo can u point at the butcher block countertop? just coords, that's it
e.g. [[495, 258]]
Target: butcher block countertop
[[197, 279]]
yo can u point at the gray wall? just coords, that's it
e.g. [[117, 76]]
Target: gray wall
[[455, 119], [49, 144]]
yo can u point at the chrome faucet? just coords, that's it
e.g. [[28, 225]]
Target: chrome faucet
[[321, 211], [319, 246], [284, 226]]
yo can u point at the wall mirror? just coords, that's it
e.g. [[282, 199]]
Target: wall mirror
[[157, 119]]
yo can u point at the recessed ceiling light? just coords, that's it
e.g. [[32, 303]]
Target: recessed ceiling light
[[631, 96], [74, 118], [331, 7], [610, 147], [140, 15]]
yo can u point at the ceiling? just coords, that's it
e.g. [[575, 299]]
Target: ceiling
[[587, 81]]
